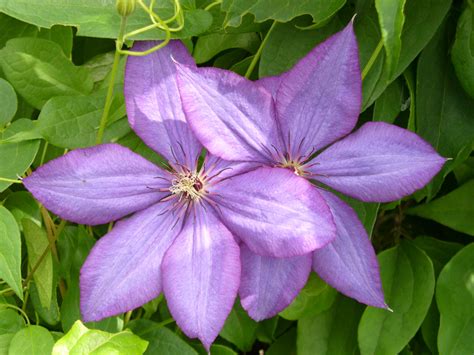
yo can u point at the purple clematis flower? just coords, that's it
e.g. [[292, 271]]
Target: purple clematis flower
[[183, 237], [301, 120]]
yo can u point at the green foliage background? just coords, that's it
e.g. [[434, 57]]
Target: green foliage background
[[418, 58]]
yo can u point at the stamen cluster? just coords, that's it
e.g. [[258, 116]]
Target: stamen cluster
[[187, 185]]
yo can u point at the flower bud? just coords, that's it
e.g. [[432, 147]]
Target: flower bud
[[125, 7]]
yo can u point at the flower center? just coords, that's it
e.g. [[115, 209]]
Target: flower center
[[294, 165], [187, 185]]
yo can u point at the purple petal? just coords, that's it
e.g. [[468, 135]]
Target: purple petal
[[270, 284], [349, 263], [233, 117], [201, 275], [275, 212], [97, 185], [379, 162], [271, 84], [319, 99], [154, 106], [122, 272], [217, 169]]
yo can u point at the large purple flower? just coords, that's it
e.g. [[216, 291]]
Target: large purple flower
[[289, 121], [183, 238]]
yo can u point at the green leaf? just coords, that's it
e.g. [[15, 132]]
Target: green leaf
[[280, 10], [454, 295], [10, 321], [285, 344], [73, 121], [50, 314], [444, 110], [80, 340], [12, 28], [420, 26], [22, 204], [62, 35], [39, 70], [391, 19], [217, 349], [5, 340], [74, 244], [440, 252], [286, 44], [332, 332], [161, 339], [239, 328], [32, 340], [389, 104], [36, 244], [210, 45], [408, 281], [462, 53], [465, 171], [100, 18], [10, 251], [16, 158], [8, 102], [454, 210], [266, 330], [314, 298]]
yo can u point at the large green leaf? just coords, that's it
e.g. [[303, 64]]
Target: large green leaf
[[462, 53], [8, 102], [333, 332], [49, 313], [391, 19], [455, 295], [12, 28], [440, 252], [10, 251], [16, 158], [408, 281], [23, 205], [389, 104], [239, 328], [161, 339], [455, 210], [32, 340], [39, 70], [444, 110], [80, 340], [210, 45], [316, 297], [279, 10], [420, 26], [10, 321], [5, 340], [100, 18], [73, 121], [287, 44], [36, 244]]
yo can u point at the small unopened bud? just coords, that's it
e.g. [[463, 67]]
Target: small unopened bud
[[125, 7]]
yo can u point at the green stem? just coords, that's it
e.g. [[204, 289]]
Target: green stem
[[14, 181], [257, 55], [7, 305], [110, 90], [372, 59], [127, 317]]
